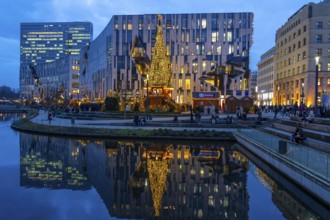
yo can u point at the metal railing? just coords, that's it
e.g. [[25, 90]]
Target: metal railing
[[315, 161]]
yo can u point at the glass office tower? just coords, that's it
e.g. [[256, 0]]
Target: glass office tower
[[46, 42]]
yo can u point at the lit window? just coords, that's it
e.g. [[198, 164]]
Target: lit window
[[195, 67], [202, 172], [229, 36], [203, 23], [328, 81], [203, 49], [219, 50], [204, 66], [193, 172], [328, 66], [215, 36], [198, 51], [230, 49], [211, 201], [168, 50], [187, 84], [180, 82]]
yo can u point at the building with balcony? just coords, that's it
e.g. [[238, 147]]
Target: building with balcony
[[302, 38], [47, 42], [196, 44]]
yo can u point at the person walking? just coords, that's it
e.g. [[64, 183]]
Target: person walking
[[49, 117], [322, 111], [198, 117], [275, 112]]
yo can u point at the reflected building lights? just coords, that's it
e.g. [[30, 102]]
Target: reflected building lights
[[139, 180]]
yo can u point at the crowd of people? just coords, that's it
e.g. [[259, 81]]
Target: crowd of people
[[297, 109]]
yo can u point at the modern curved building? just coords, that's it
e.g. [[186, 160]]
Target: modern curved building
[[196, 43]]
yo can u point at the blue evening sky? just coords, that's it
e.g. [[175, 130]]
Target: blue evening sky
[[269, 15]]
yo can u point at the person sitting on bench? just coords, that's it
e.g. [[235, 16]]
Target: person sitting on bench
[[309, 118], [298, 135]]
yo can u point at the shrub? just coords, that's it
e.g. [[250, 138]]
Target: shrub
[[111, 104]]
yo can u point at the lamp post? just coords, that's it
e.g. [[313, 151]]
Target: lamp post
[[317, 58], [147, 102], [278, 95], [302, 92]]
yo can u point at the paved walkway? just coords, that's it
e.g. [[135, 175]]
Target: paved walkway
[[42, 118]]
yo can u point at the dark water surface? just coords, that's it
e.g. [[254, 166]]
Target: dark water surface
[[59, 178]]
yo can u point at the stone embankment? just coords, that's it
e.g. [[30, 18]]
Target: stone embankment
[[121, 131]]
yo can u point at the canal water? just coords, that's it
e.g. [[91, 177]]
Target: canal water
[[45, 177]]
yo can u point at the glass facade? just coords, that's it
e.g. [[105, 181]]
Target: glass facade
[[46, 42], [196, 43]]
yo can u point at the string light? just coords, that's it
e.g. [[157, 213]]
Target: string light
[[160, 70]]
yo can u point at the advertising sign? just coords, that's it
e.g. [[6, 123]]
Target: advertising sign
[[206, 95]]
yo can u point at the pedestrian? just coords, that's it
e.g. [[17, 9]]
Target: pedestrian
[[295, 108], [322, 111], [49, 117], [136, 120], [276, 111], [198, 117], [238, 112]]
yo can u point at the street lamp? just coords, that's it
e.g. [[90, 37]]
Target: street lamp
[[317, 58], [147, 103], [278, 95], [302, 92]]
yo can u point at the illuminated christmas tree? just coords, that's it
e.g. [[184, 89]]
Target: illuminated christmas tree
[[160, 70], [158, 172]]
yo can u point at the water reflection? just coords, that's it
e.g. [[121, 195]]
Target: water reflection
[[52, 163], [9, 117], [293, 204], [141, 180]]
